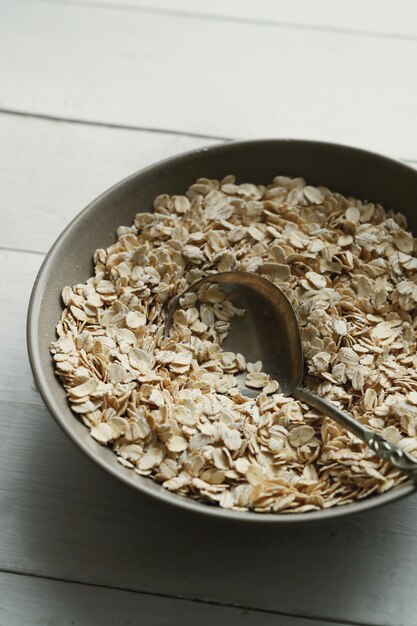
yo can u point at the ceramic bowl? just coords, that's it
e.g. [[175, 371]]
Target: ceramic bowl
[[350, 171]]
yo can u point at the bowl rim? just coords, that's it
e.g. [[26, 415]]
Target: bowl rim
[[126, 475]]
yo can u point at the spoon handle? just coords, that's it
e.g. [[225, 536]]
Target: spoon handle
[[378, 444]]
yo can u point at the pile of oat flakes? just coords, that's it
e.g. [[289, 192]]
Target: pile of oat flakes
[[169, 407]]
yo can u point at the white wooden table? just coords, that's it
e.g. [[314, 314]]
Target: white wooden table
[[90, 91]]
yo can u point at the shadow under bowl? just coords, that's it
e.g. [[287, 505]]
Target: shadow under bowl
[[344, 169]]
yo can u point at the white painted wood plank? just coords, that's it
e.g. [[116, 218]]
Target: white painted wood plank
[[61, 516], [383, 17], [213, 77], [50, 171], [26, 601]]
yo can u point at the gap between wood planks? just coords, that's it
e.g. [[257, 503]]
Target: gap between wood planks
[[312, 618], [71, 120], [231, 18]]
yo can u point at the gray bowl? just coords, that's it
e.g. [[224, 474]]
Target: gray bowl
[[348, 170]]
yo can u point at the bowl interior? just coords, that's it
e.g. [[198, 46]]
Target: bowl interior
[[347, 170]]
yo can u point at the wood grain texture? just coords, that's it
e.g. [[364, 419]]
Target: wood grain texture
[[380, 17], [50, 171], [61, 516], [214, 77], [54, 603]]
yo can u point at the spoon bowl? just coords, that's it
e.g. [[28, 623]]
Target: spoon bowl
[[268, 331]]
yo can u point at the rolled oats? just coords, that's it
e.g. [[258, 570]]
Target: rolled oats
[[170, 408]]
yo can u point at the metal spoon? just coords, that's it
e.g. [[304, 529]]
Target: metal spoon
[[269, 332]]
